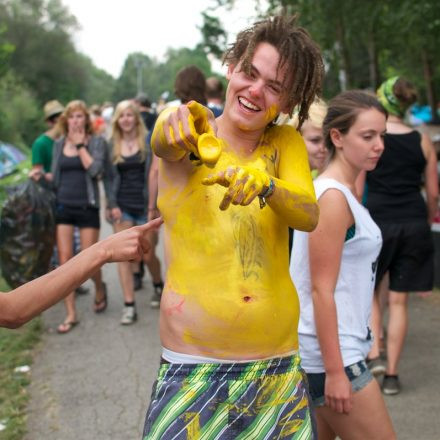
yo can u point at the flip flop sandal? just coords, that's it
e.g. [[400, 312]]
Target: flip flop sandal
[[66, 327], [101, 305]]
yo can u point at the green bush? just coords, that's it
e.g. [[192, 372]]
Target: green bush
[[20, 116]]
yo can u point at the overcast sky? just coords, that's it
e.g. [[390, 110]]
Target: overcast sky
[[111, 29]]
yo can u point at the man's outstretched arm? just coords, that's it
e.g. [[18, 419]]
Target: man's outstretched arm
[[27, 301], [290, 193]]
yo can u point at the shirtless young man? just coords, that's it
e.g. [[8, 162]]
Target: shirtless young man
[[229, 310]]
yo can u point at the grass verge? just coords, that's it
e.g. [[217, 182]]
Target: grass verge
[[15, 351]]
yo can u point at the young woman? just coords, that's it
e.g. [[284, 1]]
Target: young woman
[[311, 131], [397, 205], [78, 162], [333, 268], [132, 196]]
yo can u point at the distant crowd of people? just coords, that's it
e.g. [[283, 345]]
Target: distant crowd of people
[[255, 347]]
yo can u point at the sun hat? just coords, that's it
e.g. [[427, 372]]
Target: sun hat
[[52, 108]]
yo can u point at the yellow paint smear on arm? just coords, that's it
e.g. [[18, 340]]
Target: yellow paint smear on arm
[[294, 197]]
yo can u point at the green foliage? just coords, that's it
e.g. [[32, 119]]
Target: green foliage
[[20, 116], [38, 62], [214, 37], [15, 351], [154, 77], [363, 42]]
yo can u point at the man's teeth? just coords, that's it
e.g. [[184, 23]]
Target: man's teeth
[[247, 104]]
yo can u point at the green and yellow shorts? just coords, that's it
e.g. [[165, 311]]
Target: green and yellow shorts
[[258, 400]]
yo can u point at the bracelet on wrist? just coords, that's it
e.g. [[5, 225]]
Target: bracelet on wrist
[[267, 193], [79, 146]]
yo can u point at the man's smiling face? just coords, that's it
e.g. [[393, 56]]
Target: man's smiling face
[[254, 99]]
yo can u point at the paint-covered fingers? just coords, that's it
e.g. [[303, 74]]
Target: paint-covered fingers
[[179, 130], [235, 193], [244, 184], [222, 178], [204, 120]]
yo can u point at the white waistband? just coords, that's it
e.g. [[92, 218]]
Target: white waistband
[[182, 358]]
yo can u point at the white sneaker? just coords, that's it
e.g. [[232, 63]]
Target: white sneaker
[[129, 315]]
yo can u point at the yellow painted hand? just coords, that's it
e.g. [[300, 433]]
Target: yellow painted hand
[[244, 184], [188, 128]]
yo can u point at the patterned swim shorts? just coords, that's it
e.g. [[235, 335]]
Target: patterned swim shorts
[[258, 400]]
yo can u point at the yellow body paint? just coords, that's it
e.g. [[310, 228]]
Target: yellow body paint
[[208, 146], [272, 113], [228, 292]]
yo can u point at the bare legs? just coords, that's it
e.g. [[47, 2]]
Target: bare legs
[[125, 270], [64, 236], [397, 329], [380, 300], [369, 418], [88, 236]]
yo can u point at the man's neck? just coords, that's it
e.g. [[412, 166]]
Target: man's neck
[[240, 140]]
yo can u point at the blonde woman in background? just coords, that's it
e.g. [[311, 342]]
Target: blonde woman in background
[[131, 196], [78, 162], [311, 132]]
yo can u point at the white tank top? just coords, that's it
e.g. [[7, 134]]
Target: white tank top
[[354, 288]]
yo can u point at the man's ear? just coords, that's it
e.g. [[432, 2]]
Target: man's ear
[[336, 137]]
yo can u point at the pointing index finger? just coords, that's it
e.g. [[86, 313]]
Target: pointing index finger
[[152, 224]]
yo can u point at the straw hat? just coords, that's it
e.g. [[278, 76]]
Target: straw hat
[[52, 108]]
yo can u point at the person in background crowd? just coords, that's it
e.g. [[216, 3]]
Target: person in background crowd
[[229, 311], [107, 114], [42, 146], [78, 162], [42, 164], [397, 206], [311, 131], [149, 118], [190, 85], [128, 197], [215, 95], [334, 269], [98, 123], [147, 114]]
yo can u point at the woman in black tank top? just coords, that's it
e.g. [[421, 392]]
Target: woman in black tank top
[[396, 204], [78, 162], [131, 193]]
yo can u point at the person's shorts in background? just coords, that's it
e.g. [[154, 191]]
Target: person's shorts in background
[[258, 400], [86, 217], [408, 254], [135, 219], [358, 374]]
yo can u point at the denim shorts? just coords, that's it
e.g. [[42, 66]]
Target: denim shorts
[[135, 219], [358, 374]]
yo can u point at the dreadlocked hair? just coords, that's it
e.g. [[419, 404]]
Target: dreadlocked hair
[[298, 52]]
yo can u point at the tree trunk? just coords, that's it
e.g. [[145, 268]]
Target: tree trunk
[[345, 73], [373, 65], [430, 91]]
